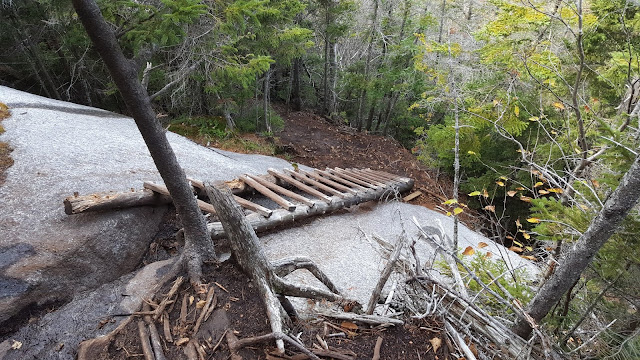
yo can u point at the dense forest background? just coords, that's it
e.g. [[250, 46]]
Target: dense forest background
[[531, 105]]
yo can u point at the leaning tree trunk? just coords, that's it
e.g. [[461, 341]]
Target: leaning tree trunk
[[269, 278], [615, 209], [198, 245]]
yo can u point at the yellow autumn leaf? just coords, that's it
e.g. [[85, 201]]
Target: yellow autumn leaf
[[534, 118], [457, 211], [520, 188], [449, 213], [533, 220], [559, 105], [349, 325], [482, 245], [485, 193], [511, 193], [435, 344], [526, 235], [475, 193], [529, 248], [468, 251], [503, 178], [556, 190], [471, 152], [539, 183], [543, 192], [450, 202], [516, 110], [517, 243], [500, 183]]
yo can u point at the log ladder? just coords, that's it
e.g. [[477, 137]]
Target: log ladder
[[286, 195]]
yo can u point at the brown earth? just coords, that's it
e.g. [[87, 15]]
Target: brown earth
[[239, 309]]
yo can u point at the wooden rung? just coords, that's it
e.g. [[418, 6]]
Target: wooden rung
[[301, 186], [364, 177], [329, 182], [326, 188], [244, 203], [253, 206], [368, 172], [283, 191], [387, 175], [285, 204], [355, 178], [341, 173], [340, 180], [161, 189]]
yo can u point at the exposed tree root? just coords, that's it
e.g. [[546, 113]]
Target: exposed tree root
[[269, 278]]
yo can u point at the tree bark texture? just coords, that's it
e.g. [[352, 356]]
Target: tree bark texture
[[198, 245], [602, 227]]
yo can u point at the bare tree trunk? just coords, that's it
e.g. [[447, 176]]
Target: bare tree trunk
[[296, 99], [198, 245], [265, 100], [269, 278], [370, 117], [602, 227], [367, 64]]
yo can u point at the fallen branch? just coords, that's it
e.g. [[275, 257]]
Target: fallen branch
[[386, 272], [459, 341], [163, 304], [365, 319], [376, 350], [144, 340], [205, 310], [236, 344]]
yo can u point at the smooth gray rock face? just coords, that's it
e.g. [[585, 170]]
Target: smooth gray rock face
[[61, 148]]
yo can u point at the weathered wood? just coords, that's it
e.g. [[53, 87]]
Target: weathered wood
[[110, 201], [283, 191], [253, 206], [164, 191], [281, 216], [380, 177], [341, 180], [315, 183], [309, 190], [268, 193], [244, 203], [343, 174], [329, 182], [366, 319], [361, 176], [412, 196]]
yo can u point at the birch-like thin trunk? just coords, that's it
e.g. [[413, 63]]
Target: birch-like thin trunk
[[575, 261]]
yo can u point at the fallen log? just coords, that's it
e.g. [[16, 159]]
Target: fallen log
[[110, 201]]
